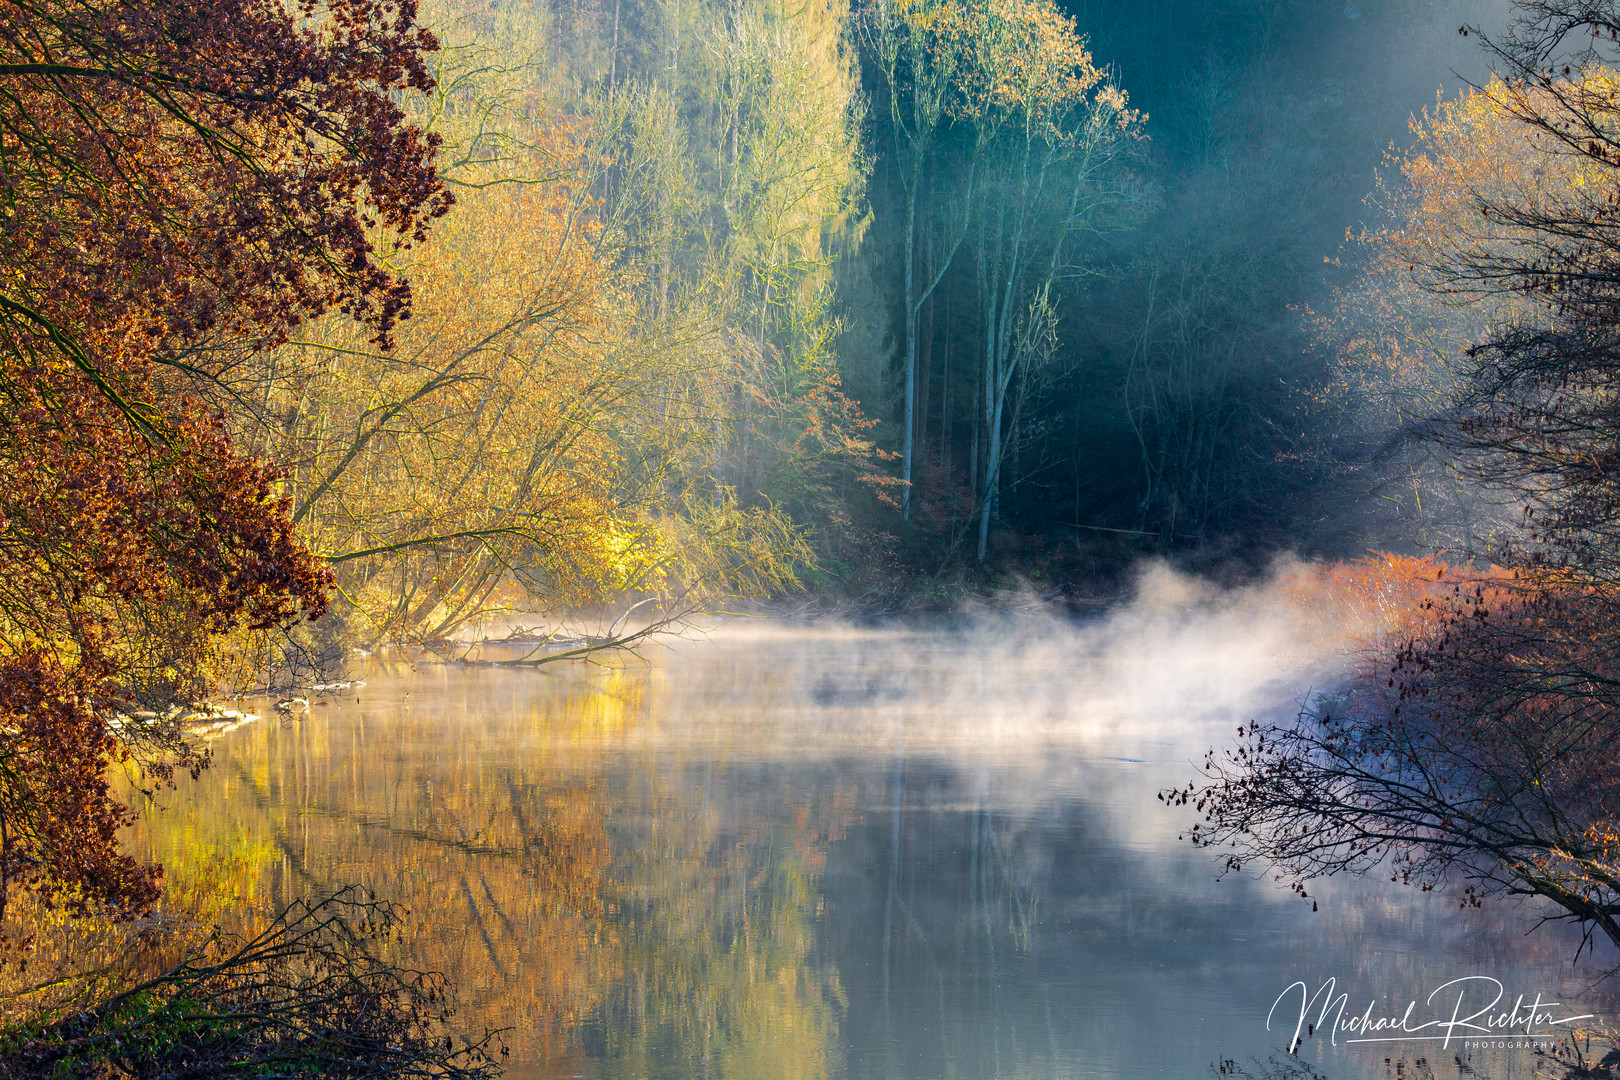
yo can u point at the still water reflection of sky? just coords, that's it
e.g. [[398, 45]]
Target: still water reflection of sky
[[834, 853]]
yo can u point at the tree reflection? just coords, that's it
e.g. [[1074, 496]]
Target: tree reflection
[[655, 872], [719, 900], [582, 892]]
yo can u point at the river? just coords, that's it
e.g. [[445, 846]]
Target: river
[[796, 852]]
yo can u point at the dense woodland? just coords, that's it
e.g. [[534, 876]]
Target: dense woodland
[[363, 324], [860, 301]]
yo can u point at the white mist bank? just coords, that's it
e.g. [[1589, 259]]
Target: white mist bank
[[1181, 661]]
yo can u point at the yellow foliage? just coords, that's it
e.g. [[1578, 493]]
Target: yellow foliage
[[1027, 61], [518, 449]]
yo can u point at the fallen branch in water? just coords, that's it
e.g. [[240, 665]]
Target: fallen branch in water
[[674, 623], [586, 647]]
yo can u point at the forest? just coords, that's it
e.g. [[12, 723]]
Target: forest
[[377, 324]]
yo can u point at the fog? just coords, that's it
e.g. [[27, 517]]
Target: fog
[[1182, 661]]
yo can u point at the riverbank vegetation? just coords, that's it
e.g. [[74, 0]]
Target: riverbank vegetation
[[308, 995], [1477, 747], [328, 329]]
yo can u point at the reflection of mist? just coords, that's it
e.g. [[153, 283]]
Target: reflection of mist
[[1048, 937]]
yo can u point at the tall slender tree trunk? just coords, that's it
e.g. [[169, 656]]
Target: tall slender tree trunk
[[945, 391], [973, 456], [990, 420], [925, 371], [992, 473], [911, 352], [613, 57], [666, 267]]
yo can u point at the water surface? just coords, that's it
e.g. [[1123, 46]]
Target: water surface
[[843, 853]]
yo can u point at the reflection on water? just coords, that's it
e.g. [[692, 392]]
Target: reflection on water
[[819, 854]]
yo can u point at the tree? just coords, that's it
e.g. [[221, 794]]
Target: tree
[[1405, 328], [791, 191], [1481, 744], [1530, 414], [920, 56], [479, 465], [178, 178], [536, 438], [768, 111], [1057, 126], [1484, 748]]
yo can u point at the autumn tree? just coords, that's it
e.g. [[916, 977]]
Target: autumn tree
[[546, 434], [475, 467], [1480, 744], [736, 186], [1059, 126], [179, 179], [790, 187], [1001, 133], [1489, 302], [1478, 749], [920, 53], [1403, 329]]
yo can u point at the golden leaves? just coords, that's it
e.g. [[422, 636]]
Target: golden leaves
[[1027, 62]]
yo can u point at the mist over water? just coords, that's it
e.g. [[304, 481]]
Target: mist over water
[[1181, 664], [855, 851]]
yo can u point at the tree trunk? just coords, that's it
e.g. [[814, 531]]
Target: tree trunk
[[613, 60], [911, 353]]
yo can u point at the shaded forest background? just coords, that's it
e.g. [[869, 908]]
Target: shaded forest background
[[1195, 402], [1172, 394]]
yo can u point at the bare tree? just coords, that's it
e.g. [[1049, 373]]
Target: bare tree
[[1482, 748]]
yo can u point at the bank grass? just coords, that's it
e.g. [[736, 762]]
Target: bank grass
[[311, 995]]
